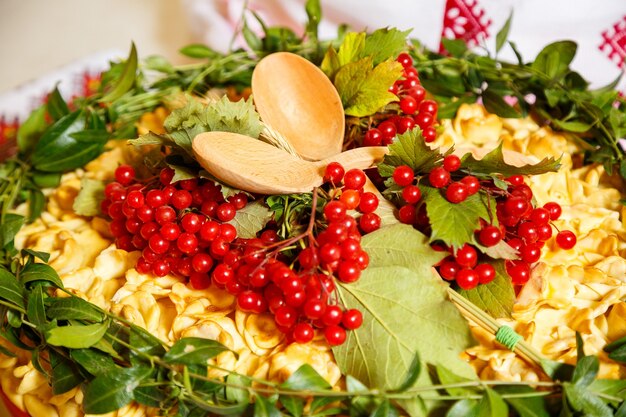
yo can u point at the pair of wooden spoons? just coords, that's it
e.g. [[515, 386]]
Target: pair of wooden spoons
[[295, 98]]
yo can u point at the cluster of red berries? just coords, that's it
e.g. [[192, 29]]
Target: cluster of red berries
[[522, 226], [414, 109], [179, 228]]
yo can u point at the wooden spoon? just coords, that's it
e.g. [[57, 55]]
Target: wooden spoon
[[297, 99], [255, 166]]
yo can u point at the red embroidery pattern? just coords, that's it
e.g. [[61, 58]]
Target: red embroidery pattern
[[464, 19], [8, 136], [614, 42]]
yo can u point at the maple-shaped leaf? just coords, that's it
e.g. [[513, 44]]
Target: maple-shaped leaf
[[187, 116], [495, 298], [410, 149], [493, 163], [251, 219], [365, 90], [455, 223], [385, 44], [236, 117]]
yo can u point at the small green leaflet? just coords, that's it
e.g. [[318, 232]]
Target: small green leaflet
[[11, 224], [91, 194], [113, 390], [365, 90], [77, 337], [193, 351], [493, 163], [410, 149], [452, 223], [251, 219], [12, 290], [495, 298]]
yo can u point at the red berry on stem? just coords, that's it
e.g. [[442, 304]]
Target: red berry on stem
[[566, 239], [451, 163], [334, 211], [439, 177], [373, 137], [411, 194], [515, 180], [467, 279], [335, 335], [226, 212], [352, 319], [449, 268], [334, 173], [368, 203], [388, 129], [486, 273], [303, 333], [490, 236], [429, 134], [466, 256], [369, 222], [124, 174], [405, 59], [540, 216], [350, 198], [404, 124], [429, 106], [530, 253], [554, 209], [408, 105], [354, 179], [472, 183], [403, 175], [516, 206], [181, 199], [456, 192], [519, 271], [407, 214]]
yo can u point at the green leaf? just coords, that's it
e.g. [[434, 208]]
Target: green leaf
[[76, 336], [494, 103], [10, 288], [576, 127], [251, 219], [112, 391], [306, 378], [293, 404], [524, 406], [456, 47], [558, 371], [40, 273], [197, 51], [126, 79], [11, 224], [463, 408], [385, 409], [91, 194], [554, 59], [31, 130], [409, 149], [447, 377], [495, 298], [46, 179], [452, 223], [158, 63], [503, 33], [494, 162], [36, 202], [351, 48], [94, 362], [10, 354], [586, 371], [145, 342], [236, 394], [193, 351], [35, 309], [149, 395], [64, 374], [412, 374], [416, 296], [492, 405], [252, 39], [264, 407], [73, 308], [611, 387], [58, 150], [56, 105], [401, 245], [42, 256], [384, 44], [586, 402], [330, 64], [236, 117]]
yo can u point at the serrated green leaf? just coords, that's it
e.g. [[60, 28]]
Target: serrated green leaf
[[351, 48], [91, 194], [495, 298], [503, 33], [40, 272], [384, 44], [236, 117], [524, 406], [193, 351], [374, 92], [493, 163], [76, 336], [72, 308], [251, 219], [409, 149], [11, 289], [416, 296], [112, 391], [306, 378], [452, 223]]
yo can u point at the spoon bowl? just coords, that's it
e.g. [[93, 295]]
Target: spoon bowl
[[297, 99], [255, 166]]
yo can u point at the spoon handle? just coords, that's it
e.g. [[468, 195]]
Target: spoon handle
[[361, 158]]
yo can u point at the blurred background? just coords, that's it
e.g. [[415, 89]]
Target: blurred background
[[39, 36]]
